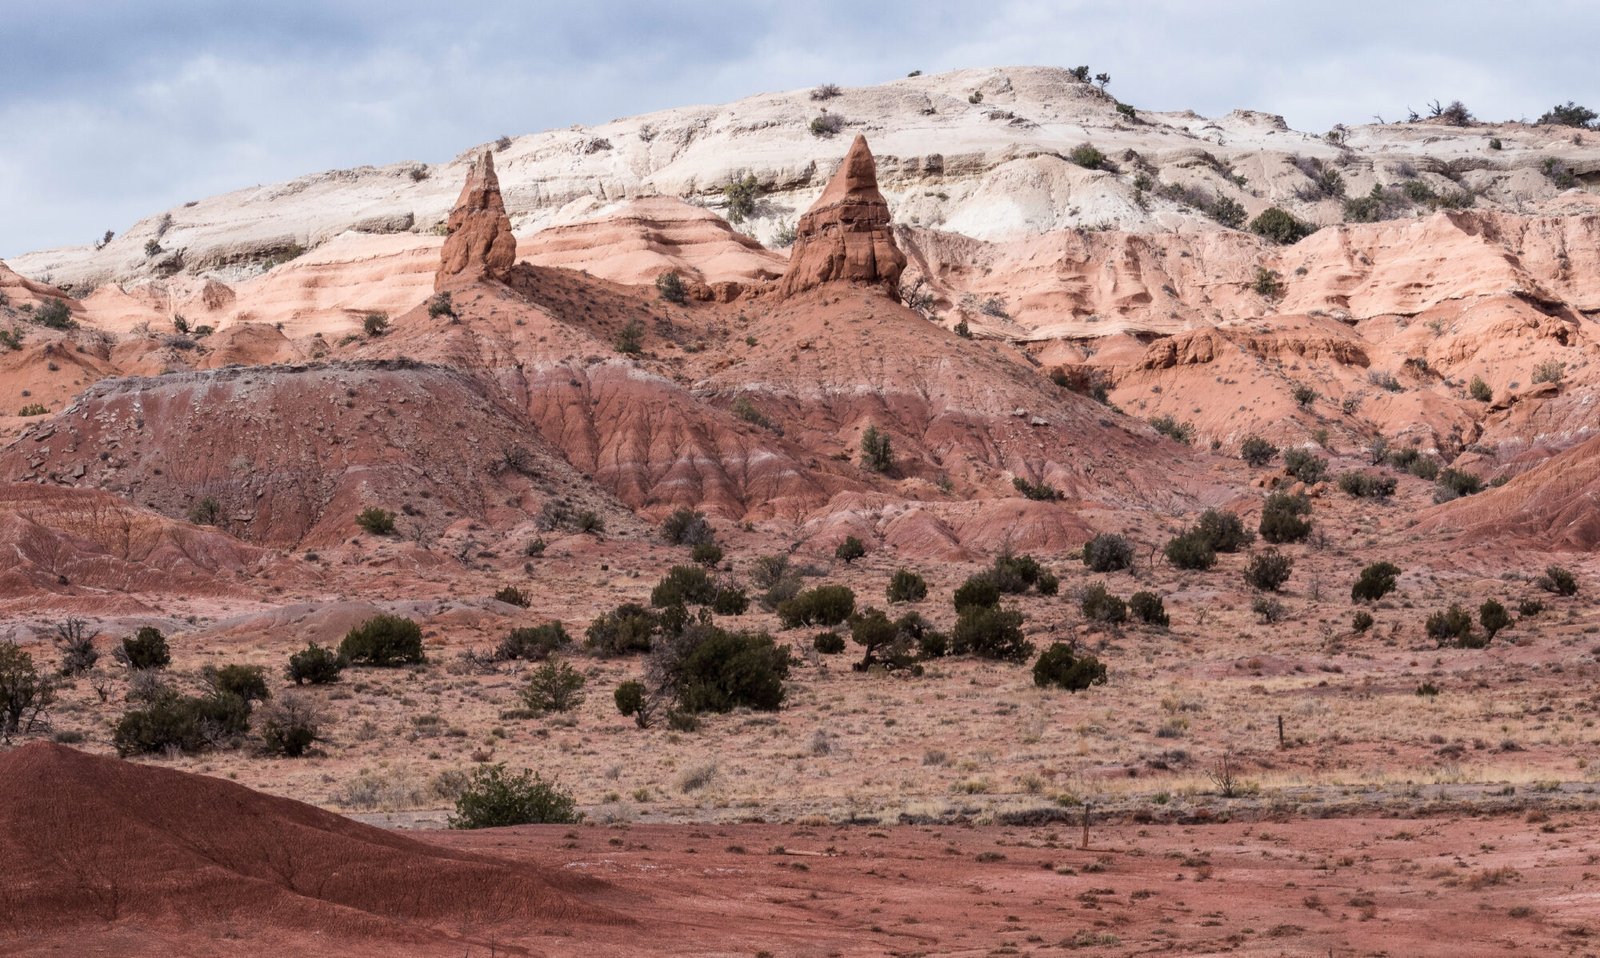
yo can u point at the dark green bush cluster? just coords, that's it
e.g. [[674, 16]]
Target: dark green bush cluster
[[384, 641], [906, 586], [709, 669], [1283, 518], [511, 595], [627, 629], [248, 682], [1216, 531], [1367, 485], [990, 632], [532, 643], [684, 585], [1064, 666], [315, 665], [1098, 604], [686, 527], [554, 686], [1173, 429], [1190, 550], [1148, 608], [1375, 581], [1558, 581], [894, 644], [877, 452], [188, 723], [1453, 627], [1280, 227], [1107, 552], [378, 522], [849, 550], [1454, 483], [828, 643], [824, 605], [145, 649], [670, 286], [1305, 465]]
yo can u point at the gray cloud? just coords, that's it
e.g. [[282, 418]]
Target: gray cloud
[[115, 109]]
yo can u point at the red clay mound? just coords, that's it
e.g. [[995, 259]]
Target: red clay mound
[[138, 858], [60, 546], [1555, 505]]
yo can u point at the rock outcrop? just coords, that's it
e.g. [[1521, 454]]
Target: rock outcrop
[[480, 245], [847, 235]]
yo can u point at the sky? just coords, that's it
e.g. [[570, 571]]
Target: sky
[[113, 110]]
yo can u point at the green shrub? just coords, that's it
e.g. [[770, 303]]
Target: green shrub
[[1173, 429], [439, 304], [248, 682], [1086, 156], [1062, 666], [627, 629], [1453, 626], [1280, 227], [684, 585], [886, 645], [1493, 617], [1039, 492], [980, 591], [188, 723], [825, 125], [1268, 609], [1016, 574], [1367, 485], [33, 409], [532, 643], [1361, 621], [824, 605], [511, 595], [730, 601], [1558, 581], [206, 512], [1305, 465], [1375, 581], [76, 642], [1268, 283], [630, 341], [1107, 552], [375, 324], [741, 196], [713, 670], [289, 726], [1283, 518], [145, 649], [706, 554], [1455, 483], [1268, 570], [378, 522], [1480, 390], [877, 452], [850, 550], [54, 314], [828, 643], [1191, 550], [1569, 115], [685, 527], [1224, 531], [633, 701], [906, 586], [670, 286], [1257, 451], [1148, 608], [495, 798], [383, 640], [554, 686], [1528, 608], [315, 665], [990, 632], [1098, 605]]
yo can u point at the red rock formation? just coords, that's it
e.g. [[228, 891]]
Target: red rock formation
[[480, 245], [847, 234]]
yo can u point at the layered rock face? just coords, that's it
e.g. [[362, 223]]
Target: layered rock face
[[480, 245], [847, 234]]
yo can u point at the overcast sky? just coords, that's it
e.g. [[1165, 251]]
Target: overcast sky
[[111, 110]]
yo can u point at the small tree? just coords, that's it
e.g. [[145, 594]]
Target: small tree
[[145, 649], [877, 453], [384, 641], [375, 324], [24, 693], [511, 595], [979, 591], [1305, 466], [1280, 227], [707, 554], [741, 196], [670, 286], [554, 686], [906, 586], [1098, 604], [1493, 617], [439, 304], [1479, 390], [1191, 550], [533, 643], [1223, 531], [686, 527], [1375, 581], [990, 632], [76, 642], [850, 550], [1453, 626], [630, 342], [290, 725], [1107, 552], [1063, 666], [315, 665], [634, 701], [627, 629], [248, 682], [1268, 570], [684, 585], [1361, 621], [495, 798], [824, 605]]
